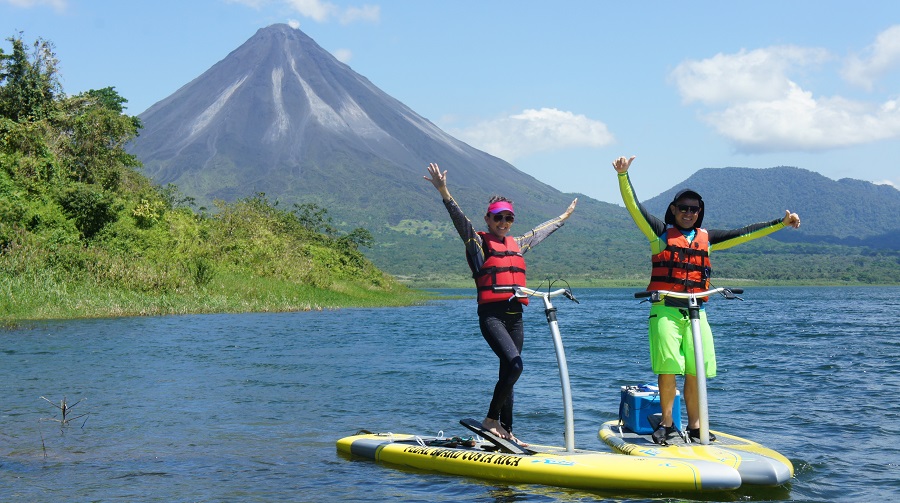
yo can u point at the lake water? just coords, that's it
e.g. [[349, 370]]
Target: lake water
[[248, 407]]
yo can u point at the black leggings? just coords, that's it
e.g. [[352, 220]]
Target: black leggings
[[505, 333]]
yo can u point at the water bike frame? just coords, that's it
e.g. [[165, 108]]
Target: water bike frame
[[694, 315], [550, 312]]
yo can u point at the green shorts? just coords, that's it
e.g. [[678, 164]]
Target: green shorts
[[672, 345]]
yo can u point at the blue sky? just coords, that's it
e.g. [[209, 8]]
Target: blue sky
[[558, 88]]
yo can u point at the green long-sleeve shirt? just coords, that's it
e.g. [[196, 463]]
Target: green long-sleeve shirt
[[654, 228]]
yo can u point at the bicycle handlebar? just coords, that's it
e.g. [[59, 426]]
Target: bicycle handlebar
[[728, 293], [522, 291]]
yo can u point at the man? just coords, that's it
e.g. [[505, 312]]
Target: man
[[680, 262]]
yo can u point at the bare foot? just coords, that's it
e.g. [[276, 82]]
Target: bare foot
[[493, 426], [516, 440]]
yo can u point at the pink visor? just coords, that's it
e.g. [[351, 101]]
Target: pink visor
[[499, 206]]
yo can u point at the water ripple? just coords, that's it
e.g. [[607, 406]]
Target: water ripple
[[247, 407]]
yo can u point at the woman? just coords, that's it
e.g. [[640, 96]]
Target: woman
[[496, 261]]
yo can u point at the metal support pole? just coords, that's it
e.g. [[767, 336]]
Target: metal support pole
[[550, 311], [700, 365]]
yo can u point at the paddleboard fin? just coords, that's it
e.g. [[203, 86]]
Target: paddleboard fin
[[507, 446]]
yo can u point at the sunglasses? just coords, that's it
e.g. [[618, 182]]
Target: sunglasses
[[499, 218], [684, 208]]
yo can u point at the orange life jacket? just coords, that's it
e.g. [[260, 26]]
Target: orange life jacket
[[682, 266], [503, 266]]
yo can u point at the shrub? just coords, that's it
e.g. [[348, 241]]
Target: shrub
[[90, 208]]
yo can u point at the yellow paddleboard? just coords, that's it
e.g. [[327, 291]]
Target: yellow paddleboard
[[546, 465], [756, 464]]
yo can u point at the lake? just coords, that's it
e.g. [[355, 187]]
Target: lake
[[247, 407]]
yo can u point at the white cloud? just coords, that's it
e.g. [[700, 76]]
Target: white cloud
[[750, 99], [256, 4], [799, 122], [343, 55], [58, 5], [878, 59], [322, 11], [533, 131], [316, 10], [371, 13], [293, 23], [755, 75]]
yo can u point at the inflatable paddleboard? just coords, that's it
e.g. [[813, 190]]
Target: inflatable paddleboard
[[640, 413], [488, 458], [756, 464]]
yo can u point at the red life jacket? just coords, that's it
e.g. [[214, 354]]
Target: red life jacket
[[503, 266], [682, 266]]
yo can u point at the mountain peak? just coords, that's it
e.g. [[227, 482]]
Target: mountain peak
[[281, 115], [277, 63]]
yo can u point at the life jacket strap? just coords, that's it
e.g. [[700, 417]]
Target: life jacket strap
[[686, 282]]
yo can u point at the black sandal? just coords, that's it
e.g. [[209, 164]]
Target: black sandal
[[695, 435], [662, 434]]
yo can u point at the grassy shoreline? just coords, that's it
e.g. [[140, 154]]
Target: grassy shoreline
[[639, 284], [44, 298], [49, 299]]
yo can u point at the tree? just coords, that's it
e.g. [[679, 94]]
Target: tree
[[96, 132], [28, 86], [314, 218], [357, 238]]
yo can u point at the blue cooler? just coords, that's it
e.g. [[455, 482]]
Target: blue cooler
[[638, 403]]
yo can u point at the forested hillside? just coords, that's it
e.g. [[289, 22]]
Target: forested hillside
[[846, 211], [82, 233]]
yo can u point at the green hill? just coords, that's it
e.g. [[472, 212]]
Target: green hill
[[611, 251], [837, 243], [846, 211]]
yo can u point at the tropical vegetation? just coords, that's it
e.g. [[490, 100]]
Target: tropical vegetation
[[83, 233]]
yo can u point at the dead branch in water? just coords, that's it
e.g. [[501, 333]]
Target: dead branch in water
[[65, 409]]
